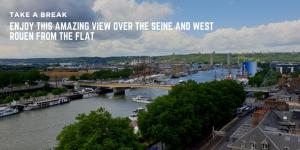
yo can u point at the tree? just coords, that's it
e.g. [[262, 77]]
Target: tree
[[267, 76], [73, 78], [57, 91], [27, 96], [189, 112], [295, 74], [86, 76], [8, 99], [20, 77], [98, 131]]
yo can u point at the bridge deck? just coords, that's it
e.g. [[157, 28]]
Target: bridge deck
[[124, 85]]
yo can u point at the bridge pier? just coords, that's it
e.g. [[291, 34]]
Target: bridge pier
[[103, 90], [119, 91]]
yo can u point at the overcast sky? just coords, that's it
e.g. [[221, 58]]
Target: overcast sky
[[240, 26]]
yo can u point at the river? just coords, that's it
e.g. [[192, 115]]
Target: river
[[37, 129]]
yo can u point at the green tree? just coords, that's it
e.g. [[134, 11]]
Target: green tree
[[86, 76], [73, 78], [295, 74], [58, 91], [27, 95], [20, 77], [8, 99], [98, 131], [189, 112], [39, 93]]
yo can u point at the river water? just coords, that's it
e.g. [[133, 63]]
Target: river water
[[37, 129]]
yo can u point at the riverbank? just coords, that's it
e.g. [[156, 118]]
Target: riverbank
[[38, 129], [50, 100]]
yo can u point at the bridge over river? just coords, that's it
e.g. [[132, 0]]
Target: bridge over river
[[165, 87], [127, 85]]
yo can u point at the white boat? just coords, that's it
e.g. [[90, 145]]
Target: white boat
[[142, 99], [86, 90], [58, 101], [47, 103], [31, 106], [89, 95], [6, 111], [180, 81], [133, 117], [139, 109]]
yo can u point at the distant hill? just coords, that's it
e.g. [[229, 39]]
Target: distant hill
[[79, 60], [189, 58], [234, 58]]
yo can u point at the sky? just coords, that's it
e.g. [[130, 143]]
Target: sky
[[239, 26]]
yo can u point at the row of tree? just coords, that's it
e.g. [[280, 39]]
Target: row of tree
[[105, 74], [4, 98], [266, 77], [20, 77], [187, 113]]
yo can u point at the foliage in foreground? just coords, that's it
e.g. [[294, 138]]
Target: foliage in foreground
[[189, 112], [98, 131]]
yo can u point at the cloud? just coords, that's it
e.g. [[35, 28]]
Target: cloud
[[268, 37], [281, 36], [130, 10], [272, 37], [87, 10]]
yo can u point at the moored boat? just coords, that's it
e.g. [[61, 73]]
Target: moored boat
[[133, 117], [139, 109], [6, 111], [74, 96], [89, 95], [31, 106], [46, 103], [142, 99]]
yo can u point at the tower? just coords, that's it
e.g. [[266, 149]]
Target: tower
[[212, 58], [228, 59]]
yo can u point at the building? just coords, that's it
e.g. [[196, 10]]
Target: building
[[284, 95], [142, 60], [278, 105], [285, 68], [276, 130], [250, 67]]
